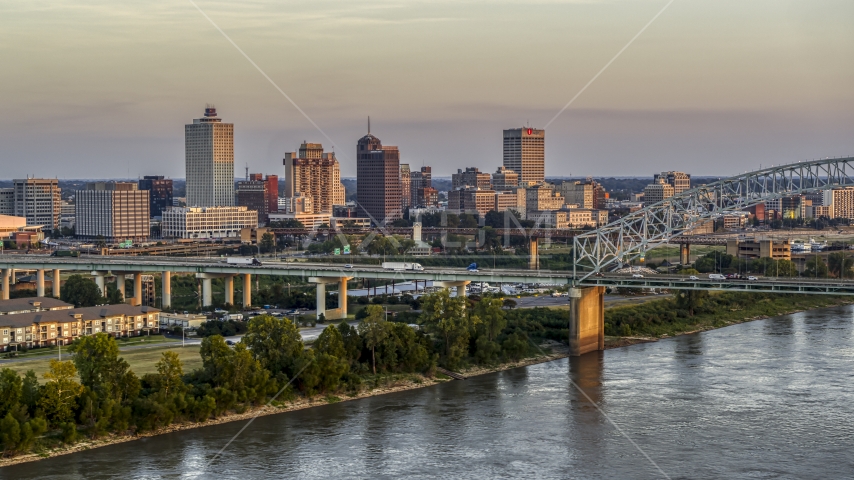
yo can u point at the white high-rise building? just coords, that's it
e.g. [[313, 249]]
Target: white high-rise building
[[209, 148], [38, 200]]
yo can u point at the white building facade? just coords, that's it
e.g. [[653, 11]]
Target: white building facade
[[209, 161], [207, 222]]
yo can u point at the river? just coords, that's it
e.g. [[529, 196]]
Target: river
[[766, 399]]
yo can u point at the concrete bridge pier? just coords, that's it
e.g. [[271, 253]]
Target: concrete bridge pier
[[166, 285], [120, 285], [207, 289], [684, 253], [460, 286], [339, 313], [137, 289], [99, 281], [6, 284], [229, 289], [534, 250], [40, 282], [586, 320], [247, 290], [55, 283]]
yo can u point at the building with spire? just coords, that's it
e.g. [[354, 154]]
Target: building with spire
[[378, 194]]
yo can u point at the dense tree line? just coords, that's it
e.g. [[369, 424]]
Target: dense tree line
[[97, 393], [839, 264]]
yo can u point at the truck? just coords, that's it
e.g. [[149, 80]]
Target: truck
[[400, 266], [65, 253], [716, 276], [472, 268], [243, 261]]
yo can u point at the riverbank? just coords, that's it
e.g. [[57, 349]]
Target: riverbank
[[396, 383]]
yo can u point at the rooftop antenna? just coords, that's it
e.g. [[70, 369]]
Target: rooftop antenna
[[369, 124], [247, 171]]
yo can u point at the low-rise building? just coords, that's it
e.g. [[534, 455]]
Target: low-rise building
[[61, 327], [15, 306], [542, 197], [189, 320], [658, 191], [549, 219], [759, 248], [207, 222]]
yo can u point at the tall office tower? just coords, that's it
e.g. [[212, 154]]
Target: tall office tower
[[680, 181], [658, 191], [159, 193], [209, 149], [314, 174], [505, 179], [38, 200], [112, 210], [418, 182], [252, 195], [471, 177], [271, 190], [377, 180], [405, 185], [525, 154]]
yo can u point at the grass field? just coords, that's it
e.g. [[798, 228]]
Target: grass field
[[141, 360]]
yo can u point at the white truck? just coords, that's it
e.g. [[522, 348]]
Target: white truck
[[243, 261], [400, 266]]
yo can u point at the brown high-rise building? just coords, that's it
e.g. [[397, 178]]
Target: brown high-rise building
[[418, 182], [271, 190], [525, 154], [680, 181], [377, 180], [315, 174]]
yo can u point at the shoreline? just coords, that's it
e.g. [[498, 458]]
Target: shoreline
[[414, 381]]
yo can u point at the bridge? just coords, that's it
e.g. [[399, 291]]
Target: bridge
[[596, 254]]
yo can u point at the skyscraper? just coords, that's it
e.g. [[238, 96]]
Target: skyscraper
[[405, 175], [160, 193], [209, 150], [418, 182], [112, 210], [314, 174], [525, 154], [377, 180], [38, 200]]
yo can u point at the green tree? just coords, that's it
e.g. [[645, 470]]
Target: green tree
[[81, 292], [840, 264], [515, 346], [491, 318], [374, 329], [815, 267], [114, 295], [102, 370], [268, 242], [11, 388], [331, 342], [690, 300], [509, 303], [275, 342], [171, 371], [30, 390], [446, 317], [10, 433], [59, 394], [352, 342]]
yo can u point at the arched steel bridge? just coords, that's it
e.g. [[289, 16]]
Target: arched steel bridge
[[631, 236]]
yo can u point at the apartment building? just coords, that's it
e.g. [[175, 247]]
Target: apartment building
[[252, 194], [32, 304], [63, 326], [514, 199], [578, 193], [504, 179], [7, 201], [840, 201], [471, 177], [313, 173]]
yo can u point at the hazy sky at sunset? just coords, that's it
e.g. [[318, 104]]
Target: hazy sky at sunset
[[103, 88]]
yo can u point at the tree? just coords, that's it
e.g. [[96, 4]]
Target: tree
[[815, 267], [81, 292], [491, 317], [331, 342], [691, 299], [275, 342], [268, 242], [446, 318], [840, 264], [102, 370], [59, 394], [374, 329], [170, 369], [509, 303], [114, 295], [10, 390], [352, 342]]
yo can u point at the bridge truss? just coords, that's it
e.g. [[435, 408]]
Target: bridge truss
[[630, 237]]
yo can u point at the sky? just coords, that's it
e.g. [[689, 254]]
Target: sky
[[102, 89]]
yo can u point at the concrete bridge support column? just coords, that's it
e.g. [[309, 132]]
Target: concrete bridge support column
[[247, 290], [55, 283], [40, 282], [137, 289], [120, 285], [166, 285], [229, 290], [684, 253], [533, 248], [460, 286], [339, 313], [586, 320], [99, 281], [6, 284], [207, 296]]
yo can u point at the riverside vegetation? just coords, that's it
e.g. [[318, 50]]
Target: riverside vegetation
[[96, 394]]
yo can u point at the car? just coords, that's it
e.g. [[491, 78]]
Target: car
[[348, 266], [556, 294], [637, 275], [229, 342], [751, 278], [693, 277]]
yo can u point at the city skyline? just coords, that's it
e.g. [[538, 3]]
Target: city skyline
[[700, 90]]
